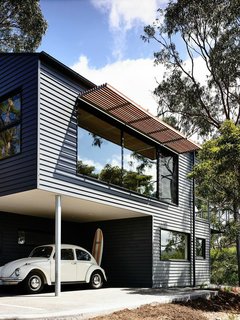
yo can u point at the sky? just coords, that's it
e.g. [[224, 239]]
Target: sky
[[101, 40]]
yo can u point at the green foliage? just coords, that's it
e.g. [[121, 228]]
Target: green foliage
[[86, 169], [218, 170], [224, 270], [207, 31], [217, 175], [111, 174], [131, 180], [138, 182], [173, 246], [22, 25]]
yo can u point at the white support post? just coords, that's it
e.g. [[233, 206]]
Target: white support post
[[58, 212]]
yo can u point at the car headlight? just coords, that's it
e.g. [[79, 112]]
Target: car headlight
[[17, 272]]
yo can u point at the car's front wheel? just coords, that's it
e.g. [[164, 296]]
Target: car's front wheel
[[34, 282], [96, 280]]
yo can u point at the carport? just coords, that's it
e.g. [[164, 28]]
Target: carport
[[46, 204]]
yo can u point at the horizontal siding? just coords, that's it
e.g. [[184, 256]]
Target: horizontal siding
[[203, 265], [58, 138], [175, 218], [57, 164], [19, 173]]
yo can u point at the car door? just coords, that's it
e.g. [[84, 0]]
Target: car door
[[68, 266], [83, 264]]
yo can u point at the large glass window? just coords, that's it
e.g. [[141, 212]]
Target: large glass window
[[168, 188], [140, 166], [99, 148], [174, 245], [111, 153], [10, 117]]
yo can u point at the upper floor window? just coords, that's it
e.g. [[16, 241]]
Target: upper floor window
[[114, 155], [168, 178], [10, 127]]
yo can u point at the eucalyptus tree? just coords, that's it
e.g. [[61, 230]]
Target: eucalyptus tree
[[22, 25], [218, 176], [194, 37]]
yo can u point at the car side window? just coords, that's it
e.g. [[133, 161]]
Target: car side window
[[82, 255], [67, 254]]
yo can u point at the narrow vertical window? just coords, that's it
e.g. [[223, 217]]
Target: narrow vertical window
[[168, 188], [10, 127], [200, 248]]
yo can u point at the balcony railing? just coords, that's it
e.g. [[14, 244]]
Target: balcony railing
[[217, 217]]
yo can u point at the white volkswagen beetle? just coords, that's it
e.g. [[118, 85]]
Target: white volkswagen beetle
[[77, 266]]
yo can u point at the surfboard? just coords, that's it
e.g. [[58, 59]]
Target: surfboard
[[97, 248]]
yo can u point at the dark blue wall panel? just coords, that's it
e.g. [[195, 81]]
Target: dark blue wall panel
[[20, 72]]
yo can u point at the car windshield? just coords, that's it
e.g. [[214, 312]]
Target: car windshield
[[44, 252]]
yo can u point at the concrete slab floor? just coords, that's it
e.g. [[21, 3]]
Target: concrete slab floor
[[85, 303]]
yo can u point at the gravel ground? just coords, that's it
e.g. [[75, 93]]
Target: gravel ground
[[225, 306]]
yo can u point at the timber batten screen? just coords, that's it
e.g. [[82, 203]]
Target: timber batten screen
[[111, 101]]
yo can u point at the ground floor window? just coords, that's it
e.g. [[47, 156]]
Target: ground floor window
[[174, 245], [200, 248]]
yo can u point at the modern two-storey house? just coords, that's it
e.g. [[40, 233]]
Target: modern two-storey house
[[109, 163]]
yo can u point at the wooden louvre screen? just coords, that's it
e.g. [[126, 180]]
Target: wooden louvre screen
[[114, 103]]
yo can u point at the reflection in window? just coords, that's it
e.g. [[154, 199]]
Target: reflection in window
[[140, 166], [112, 154], [99, 148], [168, 178], [200, 248], [82, 255], [10, 116], [174, 245]]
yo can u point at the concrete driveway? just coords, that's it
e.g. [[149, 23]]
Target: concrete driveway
[[85, 303]]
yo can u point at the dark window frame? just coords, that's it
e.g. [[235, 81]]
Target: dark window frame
[[164, 153], [159, 150], [15, 124], [188, 246], [201, 256]]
